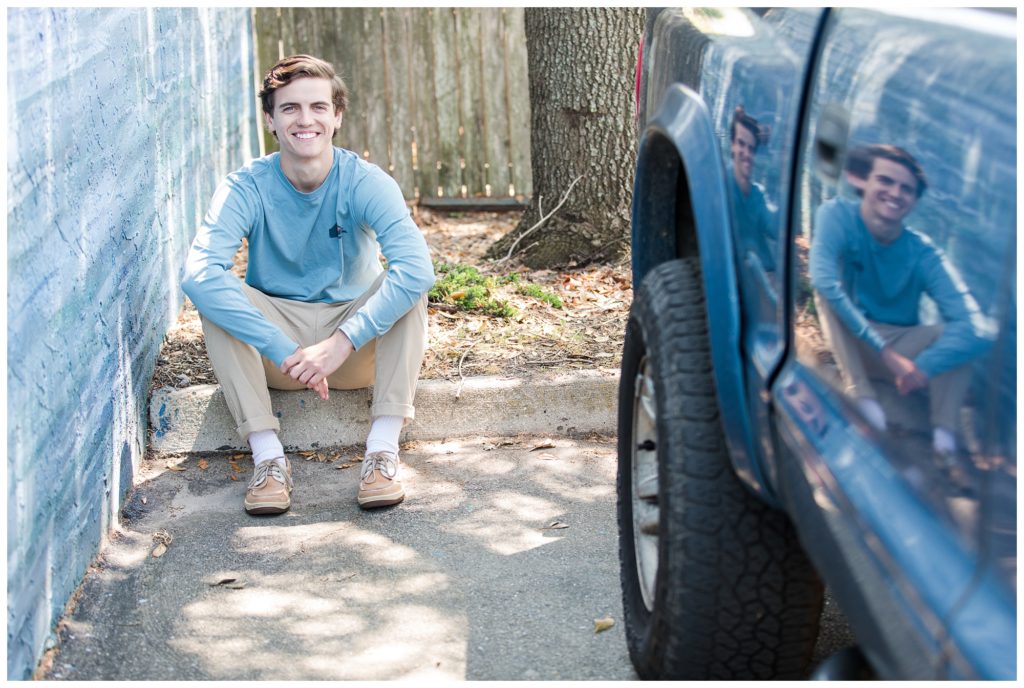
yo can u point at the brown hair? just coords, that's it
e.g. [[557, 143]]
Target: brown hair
[[861, 159], [297, 67], [741, 118]]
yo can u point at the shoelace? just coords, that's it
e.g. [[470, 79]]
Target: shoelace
[[266, 469], [385, 463]]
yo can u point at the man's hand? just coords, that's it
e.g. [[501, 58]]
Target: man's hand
[[907, 376], [313, 364]]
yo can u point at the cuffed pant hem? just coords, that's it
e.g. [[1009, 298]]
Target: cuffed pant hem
[[404, 410], [257, 424]]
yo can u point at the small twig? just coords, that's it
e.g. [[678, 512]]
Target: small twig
[[543, 219], [556, 361], [462, 378]]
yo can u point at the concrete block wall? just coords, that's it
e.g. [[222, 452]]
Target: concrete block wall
[[120, 124]]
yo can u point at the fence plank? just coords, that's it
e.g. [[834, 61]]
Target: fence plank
[[471, 152], [394, 38], [425, 110], [493, 78], [518, 100], [446, 97], [373, 101], [348, 63]]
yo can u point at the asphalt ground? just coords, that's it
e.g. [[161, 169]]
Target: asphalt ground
[[497, 566]]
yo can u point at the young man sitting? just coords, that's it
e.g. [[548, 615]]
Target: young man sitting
[[316, 309], [869, 271]]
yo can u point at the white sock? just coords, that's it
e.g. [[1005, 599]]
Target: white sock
[[872, 411], [943, 441], [384, 434], [265, 446]]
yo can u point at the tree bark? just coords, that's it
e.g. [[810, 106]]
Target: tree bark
[[582, 65]]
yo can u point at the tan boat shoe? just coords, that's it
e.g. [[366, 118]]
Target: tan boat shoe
[[269, 491], [378, 481]]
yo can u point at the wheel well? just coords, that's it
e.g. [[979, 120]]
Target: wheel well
[[686, 227], [663, 222]]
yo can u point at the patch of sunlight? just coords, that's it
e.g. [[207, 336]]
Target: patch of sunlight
[[414, 641], [301, 539], [494, 466], [594, 493], [510, 524], [259, 601], [439, 450], [720, 20], [325, 627], [422, 583], [128, 557]]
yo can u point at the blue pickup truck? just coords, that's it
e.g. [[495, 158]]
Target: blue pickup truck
[[819, 371]]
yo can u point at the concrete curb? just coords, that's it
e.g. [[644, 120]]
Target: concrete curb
[[197, 419]]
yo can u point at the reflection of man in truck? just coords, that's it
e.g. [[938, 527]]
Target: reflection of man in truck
[[870, 271], [754, 221]]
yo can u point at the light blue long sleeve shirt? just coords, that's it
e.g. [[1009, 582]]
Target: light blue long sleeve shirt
[[864, 280], [318, 247]]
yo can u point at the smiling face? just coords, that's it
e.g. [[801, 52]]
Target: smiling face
[[890, 193], [744, 145], [304, 119]]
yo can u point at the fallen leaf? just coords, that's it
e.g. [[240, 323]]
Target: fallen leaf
[[343, 466], [203, 464], [603, 624], [546, 444], [175, 467], [555, 525], [223, 581], [160, 550], [144, 500], [547, 456], [233, 476]]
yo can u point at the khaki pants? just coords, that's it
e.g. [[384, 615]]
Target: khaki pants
[[391, 362], [859, 364]]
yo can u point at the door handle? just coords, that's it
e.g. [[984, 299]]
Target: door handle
[[830, 138]]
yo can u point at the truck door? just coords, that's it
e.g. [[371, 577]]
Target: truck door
[[894, 397], [753, 69]]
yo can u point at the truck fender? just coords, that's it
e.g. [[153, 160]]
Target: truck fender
[[679, 154]]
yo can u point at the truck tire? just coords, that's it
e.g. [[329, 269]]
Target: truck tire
[[714, 582]]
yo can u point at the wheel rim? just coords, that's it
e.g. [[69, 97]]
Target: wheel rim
[[645, 482]]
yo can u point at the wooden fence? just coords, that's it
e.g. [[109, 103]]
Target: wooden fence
[[438, 97]]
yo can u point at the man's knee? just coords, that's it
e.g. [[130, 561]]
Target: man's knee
[[910, 341]]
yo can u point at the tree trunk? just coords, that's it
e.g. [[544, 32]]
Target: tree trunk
[[582, 66]]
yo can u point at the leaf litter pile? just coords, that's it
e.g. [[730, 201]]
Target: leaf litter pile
[[518, 323]]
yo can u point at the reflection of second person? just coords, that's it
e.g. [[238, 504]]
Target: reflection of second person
[[754, 220], [869, 271]]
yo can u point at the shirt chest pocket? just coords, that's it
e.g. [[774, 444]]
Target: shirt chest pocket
[[355, 254]]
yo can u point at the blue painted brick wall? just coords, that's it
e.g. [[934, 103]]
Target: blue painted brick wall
[[120, 124]]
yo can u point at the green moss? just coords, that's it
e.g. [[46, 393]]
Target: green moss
[[536, 292], [464, 287]]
